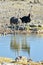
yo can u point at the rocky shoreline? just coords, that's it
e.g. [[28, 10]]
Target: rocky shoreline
[[21, 29], [21, 61], [9, 31]]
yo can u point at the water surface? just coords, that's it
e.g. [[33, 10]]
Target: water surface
[[30, 46]]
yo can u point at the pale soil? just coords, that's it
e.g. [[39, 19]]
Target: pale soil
[[18, 9]]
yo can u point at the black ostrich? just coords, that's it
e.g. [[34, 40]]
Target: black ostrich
[[13, 20], [26, 19]]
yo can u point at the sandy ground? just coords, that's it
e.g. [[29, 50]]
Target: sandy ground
[[18, 9]]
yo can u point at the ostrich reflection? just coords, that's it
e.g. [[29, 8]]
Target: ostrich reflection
[[19, 43]]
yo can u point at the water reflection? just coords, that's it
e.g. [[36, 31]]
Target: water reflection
[[23, 45], [19, 43]]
